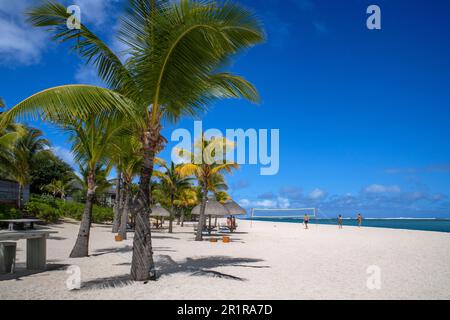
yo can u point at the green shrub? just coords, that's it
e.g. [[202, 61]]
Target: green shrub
[[49, 209], [71, 209], [102, 214], [8, 211], [42, 211]]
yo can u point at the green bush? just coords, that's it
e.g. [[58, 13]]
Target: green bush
[[8, 211], [50, 209], [102, 214], [71, 209], [42, 211]]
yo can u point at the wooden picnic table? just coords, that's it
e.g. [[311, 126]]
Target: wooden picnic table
[[12, 222], [36, 245]]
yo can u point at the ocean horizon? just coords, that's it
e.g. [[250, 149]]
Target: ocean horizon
[[420, 224]]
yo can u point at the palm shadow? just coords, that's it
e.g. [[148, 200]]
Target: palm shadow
[[165, 265], [202, 266], [21, 271]]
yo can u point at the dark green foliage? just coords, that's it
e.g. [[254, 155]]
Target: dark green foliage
[[8, 211], [50, 210], [46, 168]]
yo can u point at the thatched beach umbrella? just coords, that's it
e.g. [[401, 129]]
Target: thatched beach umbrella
[[213, 208], [234, 208], [159, 212]]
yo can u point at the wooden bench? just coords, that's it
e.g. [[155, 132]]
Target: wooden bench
[[36, 245]]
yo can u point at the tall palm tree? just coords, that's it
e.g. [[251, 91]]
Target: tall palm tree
[[177, 51], [172, 183], [92, 146], [127, 150], [208, 172]]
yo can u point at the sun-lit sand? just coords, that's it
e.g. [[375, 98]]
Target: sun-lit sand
[[264, 261]]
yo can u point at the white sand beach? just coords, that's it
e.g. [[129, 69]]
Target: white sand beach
[[264, 261]]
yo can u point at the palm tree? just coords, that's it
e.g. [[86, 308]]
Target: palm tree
[[58, 188], [129, 160], [177, 51], [208, 172], [172, 183], [92, 146], [186, 199], [26, 144]]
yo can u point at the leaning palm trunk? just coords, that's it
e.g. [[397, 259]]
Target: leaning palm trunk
[[142, 265], [201, 219], [125, 212], [81, 248], [116, 221], [171, 214]]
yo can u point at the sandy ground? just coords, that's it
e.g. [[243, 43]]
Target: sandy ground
[[265, 261]]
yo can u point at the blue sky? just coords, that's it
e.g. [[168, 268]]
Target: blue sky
[[363, 114]]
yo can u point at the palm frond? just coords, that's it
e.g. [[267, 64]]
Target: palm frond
[[53, 16], [69, 102]]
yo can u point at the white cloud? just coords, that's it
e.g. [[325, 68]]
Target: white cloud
[[19, 42], [22, 44], [378, 188], [282, 203], [317, 194], [65, 154]]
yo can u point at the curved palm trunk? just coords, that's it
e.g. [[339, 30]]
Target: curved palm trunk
[[81, 248], [201, 220], [116, 221], [142, 265], [171, 214], [125, 212]]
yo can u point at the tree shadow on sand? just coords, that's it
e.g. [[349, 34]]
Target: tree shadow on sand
[[202, 266], [165, 265], [22, 272]]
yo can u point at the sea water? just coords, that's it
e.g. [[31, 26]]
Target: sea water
[[438, 225]]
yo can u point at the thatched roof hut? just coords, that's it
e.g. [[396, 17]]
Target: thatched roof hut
[[234, 208], [213, 208], [159, 212]]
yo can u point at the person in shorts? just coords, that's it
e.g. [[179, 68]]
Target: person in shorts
[[306, 221]]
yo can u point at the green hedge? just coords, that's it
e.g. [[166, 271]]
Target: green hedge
[[8, 211], [49, 209]]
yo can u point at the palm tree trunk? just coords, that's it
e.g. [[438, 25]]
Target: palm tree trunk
[[201, 220], [116, 221], [171, 214], [125, 211], [142, 265], [182, 217], [81, 248], [19, 197]]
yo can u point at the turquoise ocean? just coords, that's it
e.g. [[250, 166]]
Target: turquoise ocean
[[438, 225]]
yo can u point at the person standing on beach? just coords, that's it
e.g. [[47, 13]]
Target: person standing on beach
[[340, 221], [306, 221], [360, 218]]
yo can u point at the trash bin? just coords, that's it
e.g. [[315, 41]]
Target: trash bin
[[7, 257]]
